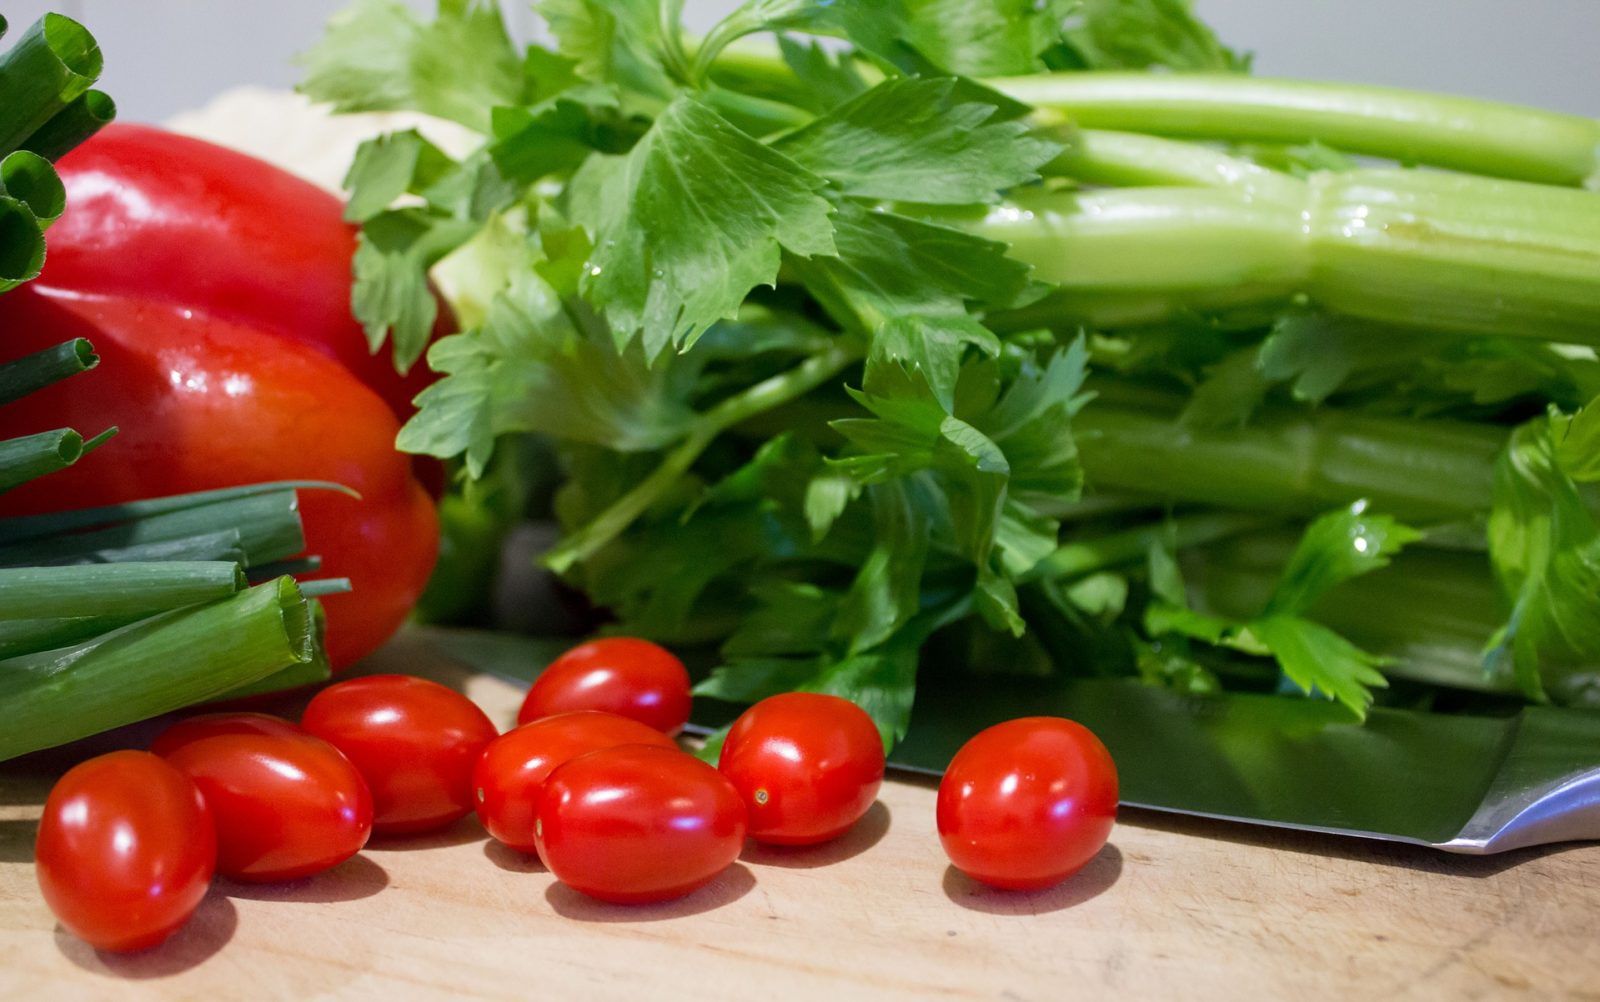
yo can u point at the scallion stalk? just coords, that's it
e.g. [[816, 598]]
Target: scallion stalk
[[163, 663], [34, 372], [53, 63], [114, 589]]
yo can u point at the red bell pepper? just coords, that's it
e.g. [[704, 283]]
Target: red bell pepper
[[163, 217], [205, 401]]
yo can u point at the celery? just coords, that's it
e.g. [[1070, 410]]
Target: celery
[[1466, 134], [1402, 247]]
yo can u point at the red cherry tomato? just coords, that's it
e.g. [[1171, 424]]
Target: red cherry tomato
[[622, 675], [1027, 803], [414, 740], [635, 824], [285, 807], [209, 725], [169, 218], [808, 766], [126, 850], [509, 777], [203, 402]]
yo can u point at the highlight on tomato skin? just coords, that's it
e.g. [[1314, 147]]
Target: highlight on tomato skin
[[126, 850], [285, 807], [1027, 803], [508, 780], [637, 824], [622, 675], [808, 765], [414, 741], [208, 725]]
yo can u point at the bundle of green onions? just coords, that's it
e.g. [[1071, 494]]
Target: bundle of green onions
[[961, 337], [112, 615]]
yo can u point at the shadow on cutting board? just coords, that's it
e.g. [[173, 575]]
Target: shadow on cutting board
[[1088, 883], [201, 938], [734, 883]]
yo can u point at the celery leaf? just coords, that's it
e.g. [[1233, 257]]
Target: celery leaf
[[912, 140], [690, 221], [379, 56]]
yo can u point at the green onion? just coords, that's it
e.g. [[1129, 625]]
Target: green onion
[[21, 243], [29, 178], [87, 114], [23, 459], [115, 589], [36, 371], [154, 666], [52, 64], [268, 523], [26, 636]]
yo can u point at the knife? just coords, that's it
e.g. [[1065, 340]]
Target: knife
[[1456, 782]]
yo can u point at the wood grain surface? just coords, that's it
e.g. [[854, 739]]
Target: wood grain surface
[[1172, 909]]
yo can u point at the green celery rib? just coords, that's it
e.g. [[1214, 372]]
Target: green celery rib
[[114, 589], [1291, 463], [53, 63], [1084, 556], [1432, 612], [1137, 256], [154, 666], [1457, 252], [1130, 159], [1411, 248], [1482, 137], [34, 372]]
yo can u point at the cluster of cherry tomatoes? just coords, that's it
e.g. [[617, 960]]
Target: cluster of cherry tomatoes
[[591, 780]]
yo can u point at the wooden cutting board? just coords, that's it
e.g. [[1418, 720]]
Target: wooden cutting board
[[1173, 908]]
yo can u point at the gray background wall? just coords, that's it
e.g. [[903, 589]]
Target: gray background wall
[[164, 56]]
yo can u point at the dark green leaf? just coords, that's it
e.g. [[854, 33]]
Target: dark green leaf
[[690, 222], [912, 140], [1336, 547]]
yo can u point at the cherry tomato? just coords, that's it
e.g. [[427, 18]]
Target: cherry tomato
[[209, 725], [205, 402], [414, 740], [126, 850], [635, 824], [285, 807], [1027, 803], [622, 675], [808, 766], [164, 217], [509, 777]]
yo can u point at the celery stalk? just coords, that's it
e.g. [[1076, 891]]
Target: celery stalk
[[1409, 248], [1431, 470], [1483, 137]]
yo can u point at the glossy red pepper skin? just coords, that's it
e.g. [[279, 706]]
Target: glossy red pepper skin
[[205, 402], [163, 217]]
